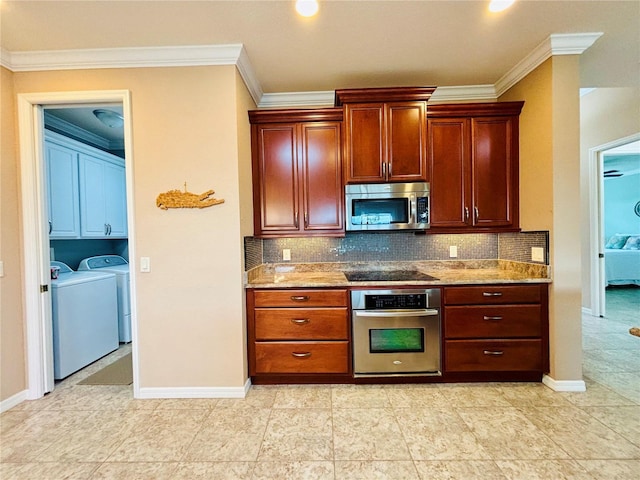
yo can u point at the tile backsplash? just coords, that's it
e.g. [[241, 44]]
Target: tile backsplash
[[395, 246]]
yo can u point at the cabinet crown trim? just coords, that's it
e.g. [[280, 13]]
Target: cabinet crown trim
[[331, 114], [391, 94], [491, 109]]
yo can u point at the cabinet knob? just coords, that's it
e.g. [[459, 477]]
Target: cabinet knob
[[301, 354], [296, 223], [476, 214], [466, 214]]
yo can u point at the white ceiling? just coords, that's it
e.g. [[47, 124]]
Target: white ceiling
[[349, 43]]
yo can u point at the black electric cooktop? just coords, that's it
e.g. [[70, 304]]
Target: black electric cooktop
[[387, 276]]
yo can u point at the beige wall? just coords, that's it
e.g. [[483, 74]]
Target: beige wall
[[186, 128], [12, 354], [606, 115], [550, 196]]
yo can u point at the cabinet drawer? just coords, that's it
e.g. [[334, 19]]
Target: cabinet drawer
[[300, 298], [493, 355], [500, 321], [301, 323], [492, 294], [302, 357]]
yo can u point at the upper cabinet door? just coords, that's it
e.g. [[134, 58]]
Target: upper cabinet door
[[321, 167], [276, 179], [62, 191], [365, 143], [495, 172], [406, 142], [116, 199], [450, 165]]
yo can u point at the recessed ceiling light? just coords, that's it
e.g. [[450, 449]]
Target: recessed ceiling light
[[307, 8], [500, 5]]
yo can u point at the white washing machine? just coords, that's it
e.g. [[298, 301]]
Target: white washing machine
[[85, 318], [118, 265]]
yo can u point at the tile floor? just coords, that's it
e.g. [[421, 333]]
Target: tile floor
[[456, 431]]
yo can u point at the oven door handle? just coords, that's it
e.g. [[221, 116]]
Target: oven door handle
[[427, 312]]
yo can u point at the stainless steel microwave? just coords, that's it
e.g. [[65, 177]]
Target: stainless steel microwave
[[387, 206]]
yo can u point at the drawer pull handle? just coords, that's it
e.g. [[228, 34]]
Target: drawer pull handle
[[495, 353], [491, 318], [300, 321], [299, 298], [491, 294], [301, 354]]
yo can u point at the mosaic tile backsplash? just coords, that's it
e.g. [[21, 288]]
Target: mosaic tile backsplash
[[396, 246]]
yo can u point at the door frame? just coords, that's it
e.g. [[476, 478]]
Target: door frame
[[35, 237], [596, 215]]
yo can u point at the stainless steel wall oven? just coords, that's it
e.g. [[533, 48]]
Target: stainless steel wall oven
[[396, 332]]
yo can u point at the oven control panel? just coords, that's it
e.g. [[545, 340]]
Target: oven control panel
[[408, 299], [395, 302]]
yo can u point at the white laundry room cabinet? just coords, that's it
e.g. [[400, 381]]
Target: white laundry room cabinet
[[63, 203], [87, 195]]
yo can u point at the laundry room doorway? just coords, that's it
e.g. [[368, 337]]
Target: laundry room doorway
[[47, 119]]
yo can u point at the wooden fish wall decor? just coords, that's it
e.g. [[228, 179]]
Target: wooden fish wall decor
[[178, 199]]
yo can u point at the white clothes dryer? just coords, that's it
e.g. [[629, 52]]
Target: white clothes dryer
[[118, 265], [84, 314]]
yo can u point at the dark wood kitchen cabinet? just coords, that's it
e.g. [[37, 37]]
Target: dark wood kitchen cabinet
[[385, 134], [473, 161], [298, 336], [297, 172], [496, 332]]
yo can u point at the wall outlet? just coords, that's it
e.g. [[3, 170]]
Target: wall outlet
[[453, 251], [286, 254], [537, 254]]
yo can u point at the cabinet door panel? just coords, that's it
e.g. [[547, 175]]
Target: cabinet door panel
[[406, 124], [322, 176], [365, 143], [92, 196], [63, 197], [116, 199], [277, 164], [492, 171], [450, 166]]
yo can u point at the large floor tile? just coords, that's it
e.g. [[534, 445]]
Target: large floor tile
[[370, 470], [438, 434], [612, 469], [459, 469], [359, 396], [135, 470], [368, 434], [543, 469], [293, 471], [47, 471], [213, 470], [506, 434], [580, 434], [622, 419]]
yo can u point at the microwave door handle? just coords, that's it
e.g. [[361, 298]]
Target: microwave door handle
[[427, 312]]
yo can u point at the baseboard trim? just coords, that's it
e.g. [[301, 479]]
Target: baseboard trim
[[14, 400], [564, 385], [195, 392], [587, 311]]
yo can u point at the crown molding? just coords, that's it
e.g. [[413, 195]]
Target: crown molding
[[235, 54], [62, 126], [556, 44], [467, 93], [298, 99]]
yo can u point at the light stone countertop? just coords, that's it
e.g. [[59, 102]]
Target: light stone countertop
[[453, 272]]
